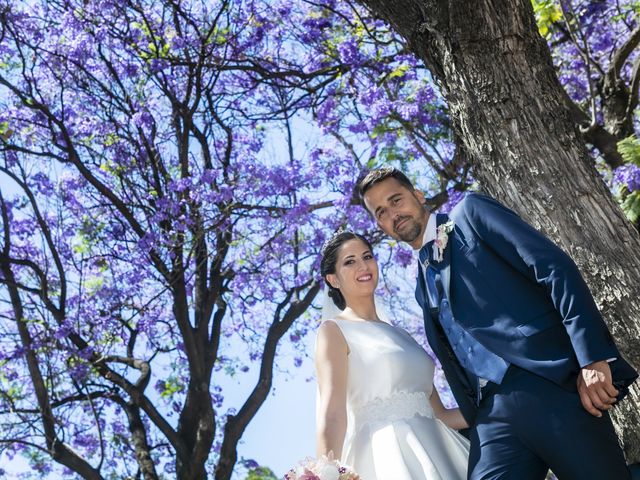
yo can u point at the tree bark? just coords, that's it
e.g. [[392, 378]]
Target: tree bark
[[507, 108]]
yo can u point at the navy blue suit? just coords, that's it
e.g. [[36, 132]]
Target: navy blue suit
[[523, 299]]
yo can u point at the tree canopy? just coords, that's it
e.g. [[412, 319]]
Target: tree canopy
[[169, 172]]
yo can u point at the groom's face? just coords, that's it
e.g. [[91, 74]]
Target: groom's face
[[399, 212]]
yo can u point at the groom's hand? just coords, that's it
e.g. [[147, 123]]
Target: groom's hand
[[596, 389]]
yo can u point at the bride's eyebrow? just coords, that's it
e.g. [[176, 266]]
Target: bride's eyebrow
[[353, 256]]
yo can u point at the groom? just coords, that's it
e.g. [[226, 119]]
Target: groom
[[526, 353]]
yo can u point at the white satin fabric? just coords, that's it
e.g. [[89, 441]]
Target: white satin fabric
[[392, 433]]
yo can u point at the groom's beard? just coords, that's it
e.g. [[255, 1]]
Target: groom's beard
[[410, 230]]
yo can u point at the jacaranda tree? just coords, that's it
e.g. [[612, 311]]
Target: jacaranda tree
[[169, 172], [149, 216]]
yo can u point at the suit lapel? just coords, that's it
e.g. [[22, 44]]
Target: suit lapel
[[420, 287], [445, 265]]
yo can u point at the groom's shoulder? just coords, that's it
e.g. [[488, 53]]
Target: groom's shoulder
[[478, 207], [472, 202]]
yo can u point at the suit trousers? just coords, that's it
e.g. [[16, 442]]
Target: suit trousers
[[528, 425]]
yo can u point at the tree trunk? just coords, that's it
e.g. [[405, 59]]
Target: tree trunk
[[507, 108]]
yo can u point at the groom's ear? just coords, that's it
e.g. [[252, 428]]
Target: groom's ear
[[420, 196]]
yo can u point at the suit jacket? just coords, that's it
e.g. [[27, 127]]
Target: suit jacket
[[520, 296]]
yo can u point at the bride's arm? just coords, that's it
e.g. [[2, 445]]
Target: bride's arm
[[451, 417], [331, 370]]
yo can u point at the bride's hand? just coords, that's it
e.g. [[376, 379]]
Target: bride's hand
[[596, 389]]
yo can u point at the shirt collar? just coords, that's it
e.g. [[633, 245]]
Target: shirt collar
[[430, 231]]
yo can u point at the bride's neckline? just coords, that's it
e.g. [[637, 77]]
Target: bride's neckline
[[360, 320]]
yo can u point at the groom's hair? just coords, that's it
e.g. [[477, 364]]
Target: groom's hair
[[377, 175]]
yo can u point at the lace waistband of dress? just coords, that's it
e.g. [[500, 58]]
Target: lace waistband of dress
[[398, 406]]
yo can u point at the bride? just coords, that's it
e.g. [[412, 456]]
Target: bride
[[377, 408]]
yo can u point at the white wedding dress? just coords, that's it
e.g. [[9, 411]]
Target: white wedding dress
[[392, 433]]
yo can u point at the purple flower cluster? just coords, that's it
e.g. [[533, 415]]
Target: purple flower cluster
[[628, 175], [605, 27], [454, 198]]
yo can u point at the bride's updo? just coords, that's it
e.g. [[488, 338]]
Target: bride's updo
[[330, 260]]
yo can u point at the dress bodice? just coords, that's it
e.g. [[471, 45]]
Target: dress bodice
[[385, 364], [392, 433]]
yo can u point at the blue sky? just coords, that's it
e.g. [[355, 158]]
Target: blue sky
[[283, 431]]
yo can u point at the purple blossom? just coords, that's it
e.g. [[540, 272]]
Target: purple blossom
[[250, 463], [131, 69], [62, 332], [11, 158], [371, 95], [142, 119], [86, 353], [454, 198], [349, 52], [294, 337], [403, 255], [408, 111], [629, 175]]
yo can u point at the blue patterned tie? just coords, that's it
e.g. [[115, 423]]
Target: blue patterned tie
[[425, 256], [471, 354]]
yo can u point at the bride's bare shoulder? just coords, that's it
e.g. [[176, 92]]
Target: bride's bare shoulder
[[329, 328], [330, 336]]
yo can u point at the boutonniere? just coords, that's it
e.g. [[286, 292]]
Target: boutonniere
[[442, 238]]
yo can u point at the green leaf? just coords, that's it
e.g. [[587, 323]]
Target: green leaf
[[81, 244], [629, 149], [261, 473], [171, 386], [110, 139], [399, 72], [93, 284], [631, 206], [547, 13], [5, 131]]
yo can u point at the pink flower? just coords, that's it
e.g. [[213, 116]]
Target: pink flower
[[323, 468], [442, 238], [308, 475]]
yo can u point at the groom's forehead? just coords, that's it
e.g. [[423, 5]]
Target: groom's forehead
[[385, 191]]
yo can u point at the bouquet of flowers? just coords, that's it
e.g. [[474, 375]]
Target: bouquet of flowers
[[323, 468]]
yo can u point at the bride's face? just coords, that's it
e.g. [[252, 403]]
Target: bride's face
[[356, 270]]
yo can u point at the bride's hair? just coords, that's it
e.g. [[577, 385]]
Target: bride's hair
[[330, 259]]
